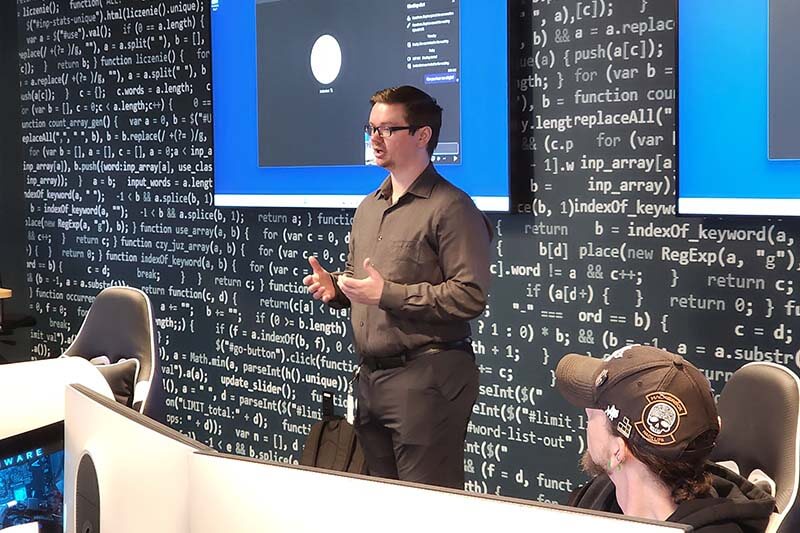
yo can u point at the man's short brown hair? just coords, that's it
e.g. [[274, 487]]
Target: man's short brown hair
[[420, 108]]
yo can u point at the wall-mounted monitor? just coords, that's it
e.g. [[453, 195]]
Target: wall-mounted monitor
[[738, 127], [292, 81]]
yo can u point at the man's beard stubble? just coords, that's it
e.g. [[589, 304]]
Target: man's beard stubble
[[589, 466]]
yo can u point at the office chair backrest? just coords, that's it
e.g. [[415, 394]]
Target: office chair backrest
[[120, 325], [759, 408]]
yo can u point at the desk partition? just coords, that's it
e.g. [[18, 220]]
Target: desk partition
[[228, 493]]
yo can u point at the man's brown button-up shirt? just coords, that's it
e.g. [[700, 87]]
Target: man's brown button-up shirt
[[432, 249]]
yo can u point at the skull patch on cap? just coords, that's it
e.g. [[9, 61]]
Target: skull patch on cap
[[660, 418]]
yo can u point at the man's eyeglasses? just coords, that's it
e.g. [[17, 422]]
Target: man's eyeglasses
[[386, 131]]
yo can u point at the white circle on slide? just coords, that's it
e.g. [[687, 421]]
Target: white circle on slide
[[326, 59]]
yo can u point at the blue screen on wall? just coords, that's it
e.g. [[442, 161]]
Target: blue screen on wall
[[291, 82], [738, 112]]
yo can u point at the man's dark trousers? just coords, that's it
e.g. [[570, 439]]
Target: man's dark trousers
[[412, 420]]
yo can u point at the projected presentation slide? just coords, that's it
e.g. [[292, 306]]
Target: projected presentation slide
[[292, 79], [738, 107]]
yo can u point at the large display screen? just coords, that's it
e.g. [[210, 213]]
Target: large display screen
[[292, 81], [738, 107]]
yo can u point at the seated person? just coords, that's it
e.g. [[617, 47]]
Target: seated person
[[651, 424]]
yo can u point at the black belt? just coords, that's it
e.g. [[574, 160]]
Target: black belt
[[396, 361]]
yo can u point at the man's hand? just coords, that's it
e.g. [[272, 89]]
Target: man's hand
[[319, 282], [364, 291]]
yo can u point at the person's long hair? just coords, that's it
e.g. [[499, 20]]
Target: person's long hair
[[685, 477]]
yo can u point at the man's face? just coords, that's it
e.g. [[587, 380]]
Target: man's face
[[599, 441], [401, 147]]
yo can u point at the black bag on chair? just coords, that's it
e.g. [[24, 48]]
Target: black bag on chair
[[332, 443]]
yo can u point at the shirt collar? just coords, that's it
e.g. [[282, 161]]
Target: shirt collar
[[421, 187]]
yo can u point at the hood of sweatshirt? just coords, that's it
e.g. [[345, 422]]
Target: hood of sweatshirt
[[733, 499]]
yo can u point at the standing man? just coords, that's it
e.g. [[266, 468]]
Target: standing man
[[417, 272]]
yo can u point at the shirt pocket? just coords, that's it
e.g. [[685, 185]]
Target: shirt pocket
[[409, 262]]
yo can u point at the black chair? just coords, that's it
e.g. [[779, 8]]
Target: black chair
[[759, 408], [120, 327]]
